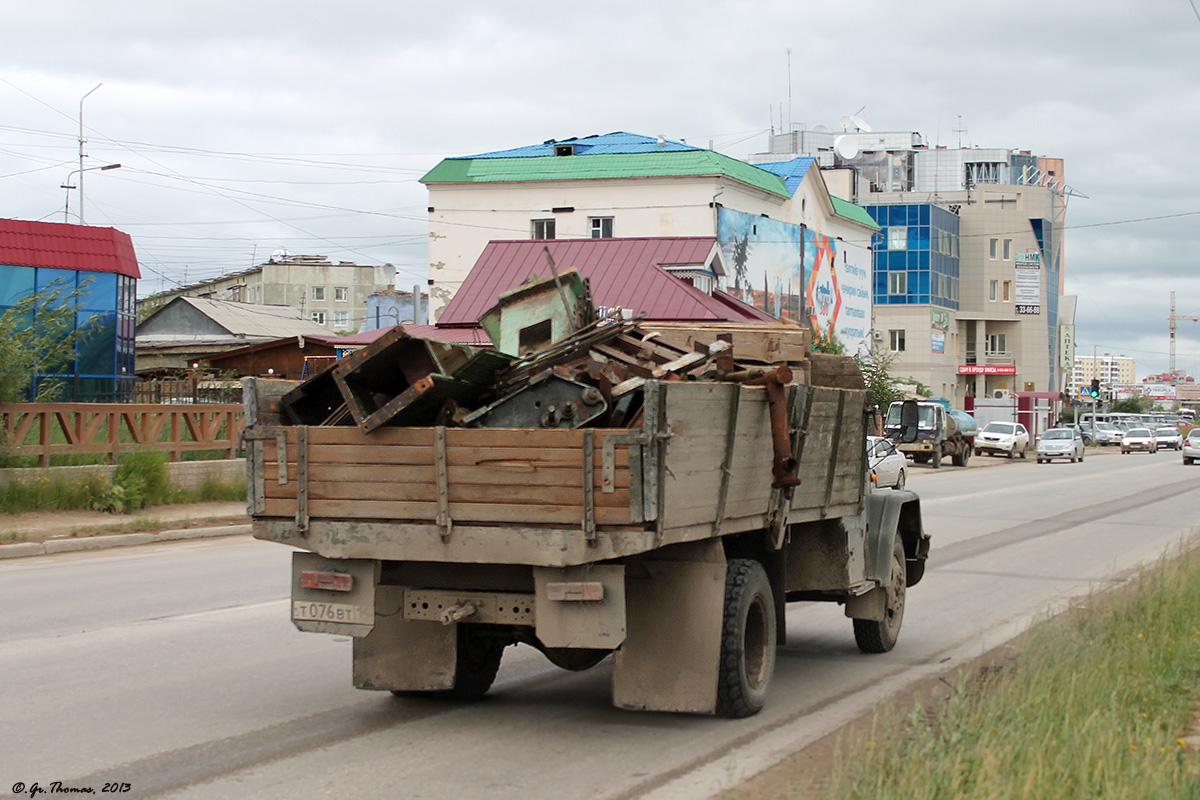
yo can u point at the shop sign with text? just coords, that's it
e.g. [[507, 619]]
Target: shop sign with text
[[986, 369]]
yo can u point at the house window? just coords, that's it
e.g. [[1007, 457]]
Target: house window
[[1008, 291], [897, 237], [997, 344], [896, 340], [341, 320], [318, 292], [543, 229], [602, 227], [1008, 249], [992, 286], [318, 317], [341, 293], [993, 248], [897, 283]]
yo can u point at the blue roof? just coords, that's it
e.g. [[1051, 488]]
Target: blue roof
[[597, 144], [792, 172]]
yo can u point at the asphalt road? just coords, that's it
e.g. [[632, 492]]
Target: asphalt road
[[174, 669]]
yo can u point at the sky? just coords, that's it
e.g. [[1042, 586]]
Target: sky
[[244, 128]]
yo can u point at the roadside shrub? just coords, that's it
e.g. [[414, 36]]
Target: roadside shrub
[[141, 480]]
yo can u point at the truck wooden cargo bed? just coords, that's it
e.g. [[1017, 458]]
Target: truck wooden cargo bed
[[699, 466]]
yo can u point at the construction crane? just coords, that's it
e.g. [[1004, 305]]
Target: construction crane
[[1172, 319]]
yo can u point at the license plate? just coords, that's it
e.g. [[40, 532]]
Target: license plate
[[331, 612]]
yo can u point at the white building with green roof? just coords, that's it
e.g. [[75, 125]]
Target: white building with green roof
[[799, 251]]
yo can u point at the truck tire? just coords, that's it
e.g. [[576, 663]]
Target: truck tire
[[880, 637], [747, 640], [478, 661]]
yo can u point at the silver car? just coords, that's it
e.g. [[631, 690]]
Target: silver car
[[1191, 447], [1139, 439], [1168, 436], [1060, 443]]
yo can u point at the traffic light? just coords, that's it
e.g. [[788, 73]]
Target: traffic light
[[1095, 393]]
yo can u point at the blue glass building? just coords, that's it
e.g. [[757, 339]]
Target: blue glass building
[[915, 255], [99, 265]]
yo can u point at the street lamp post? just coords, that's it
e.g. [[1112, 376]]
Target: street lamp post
[[69, 186], [81, 141]]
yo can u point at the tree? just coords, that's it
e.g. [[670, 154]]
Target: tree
[[828, 343], [881, 386], [38, 338], [1133, 405]]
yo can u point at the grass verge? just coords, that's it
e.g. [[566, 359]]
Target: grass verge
[[141, 480], [1094, 703]]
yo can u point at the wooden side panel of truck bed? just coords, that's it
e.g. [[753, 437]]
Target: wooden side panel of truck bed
[[497, 476], [717, 475]]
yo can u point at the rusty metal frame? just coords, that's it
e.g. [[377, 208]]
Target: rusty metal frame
[[589, 489], [302, 478], [444, 522]]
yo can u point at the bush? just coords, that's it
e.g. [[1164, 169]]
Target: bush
[[141, 480]]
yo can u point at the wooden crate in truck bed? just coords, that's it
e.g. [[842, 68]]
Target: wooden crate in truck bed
[[699, 466]]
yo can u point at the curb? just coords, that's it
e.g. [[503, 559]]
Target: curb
[[54, 546]]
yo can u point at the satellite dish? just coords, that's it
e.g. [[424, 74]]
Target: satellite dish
[[821, 129], [845, 147], [860, 123], [846, 122]]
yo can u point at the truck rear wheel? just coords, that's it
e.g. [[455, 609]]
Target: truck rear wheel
[[747, 640], [880, 637], [478, 662]]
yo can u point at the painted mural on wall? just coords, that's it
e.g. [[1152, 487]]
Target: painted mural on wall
[[793, 272], [764, 258]]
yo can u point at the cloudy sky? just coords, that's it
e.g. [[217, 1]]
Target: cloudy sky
[[242, 128]]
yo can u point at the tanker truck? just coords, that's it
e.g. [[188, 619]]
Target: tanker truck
[[941, 431]]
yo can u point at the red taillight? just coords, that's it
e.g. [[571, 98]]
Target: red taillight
[[333, 581]]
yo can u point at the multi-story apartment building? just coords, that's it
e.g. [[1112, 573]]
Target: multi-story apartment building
[[968, 262], [1110, 370], [330, 294]]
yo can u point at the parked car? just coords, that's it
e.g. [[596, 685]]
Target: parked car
[[1139, 439], [886, 462], [1168, 436], [1191, 447], [1002, 438], [1060, 443], [1106, 433]]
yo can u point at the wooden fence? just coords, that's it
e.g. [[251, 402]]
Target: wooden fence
[[56, 429]]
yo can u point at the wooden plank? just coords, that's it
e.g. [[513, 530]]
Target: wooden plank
[[566, 496], [397, 511], [515, 457], [503, 475]]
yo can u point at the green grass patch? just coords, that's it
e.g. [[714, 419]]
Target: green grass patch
[[1094, 704], [140, 480]]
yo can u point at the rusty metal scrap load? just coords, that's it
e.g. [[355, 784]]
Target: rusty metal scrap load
[[573, 369]]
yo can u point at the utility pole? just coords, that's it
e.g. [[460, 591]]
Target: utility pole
[[1171, 320]]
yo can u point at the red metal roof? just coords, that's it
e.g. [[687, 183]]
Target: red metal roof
[[624, 273], [61, 246]]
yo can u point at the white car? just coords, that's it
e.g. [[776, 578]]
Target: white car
[[1002, 438], [1139, 439], [886, 462], [1191, 447], [1168, 436], [1060, 443], [1105, 433]]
